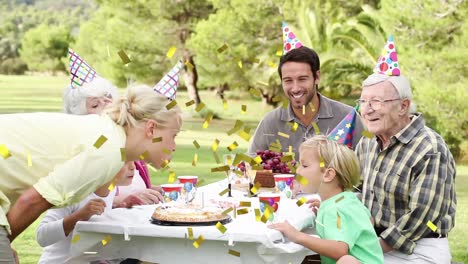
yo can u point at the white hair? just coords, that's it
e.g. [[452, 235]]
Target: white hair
[[74, 99], [401, 84]]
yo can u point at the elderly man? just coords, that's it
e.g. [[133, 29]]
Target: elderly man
[[408, 173], [299, 70]]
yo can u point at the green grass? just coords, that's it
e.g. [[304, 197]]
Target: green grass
[[38, 93]]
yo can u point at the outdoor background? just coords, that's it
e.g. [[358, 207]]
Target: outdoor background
[[231, 51]]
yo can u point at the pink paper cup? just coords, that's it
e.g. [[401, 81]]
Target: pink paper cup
[[284, 184], [171, 192]]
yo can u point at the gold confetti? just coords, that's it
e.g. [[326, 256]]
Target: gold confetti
[[156, 140], [189, 65], [255, 188], [233, 146], [227, 211], [241, 157], [338, 221], [198, 242], [106, 240], [243, 109], [264, 219], [367, 134], [431, 226], [4, 151], [287, 158], [244, 135], [189, 103], [242, 211], [294, 127], [171, 52], [171, 104], [316, 128], [285, 103], [126, 60], [199, 107], [245, 204], [195, 143], [322, 163], [224, 104], [272, 64], [75, 239], [195, 160], [229, 160], [312, 108], [257, 214], [28, 157], [222, 48], [112, 185], [123, 155], [276, 98], [200, 182], [258, 159], [290, 149], [339, 199], [254, 92], [302, 180], [234, 253], [279, 52], [239, 63], [281, 134], [190, 233], [221, 227], [172, 177], [208, 119], [223, 192], [301, 201], [166, 151], [152, 168], [291, 168], [100, 141], [216, 157], [144, 155], [214, 146], [303, 110], [263, 83]]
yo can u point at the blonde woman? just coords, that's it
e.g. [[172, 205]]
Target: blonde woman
[[343, 223], [54, 159]]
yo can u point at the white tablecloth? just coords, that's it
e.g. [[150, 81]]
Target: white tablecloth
[[133, 236]]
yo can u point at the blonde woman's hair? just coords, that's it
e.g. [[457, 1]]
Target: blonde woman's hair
[[141, 103], [337, 156], [74, 99]]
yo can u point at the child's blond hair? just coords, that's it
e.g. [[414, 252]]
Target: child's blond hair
[[142, 103], [337, 156]]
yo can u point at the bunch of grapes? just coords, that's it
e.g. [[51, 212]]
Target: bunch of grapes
[[272, 161]]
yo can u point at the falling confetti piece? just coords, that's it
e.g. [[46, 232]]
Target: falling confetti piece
[[126, 60], [200, 106], [208, 119], [172, 177], [258, 159], [242, 211], [75, 239], [227, 211], [272, 64], [223, 192], [166, 151], [339, 199], [316, 128], [198, 242], [233, 146], [112, 185], [222, 48], [221, 227], [322, 163], [279, 52], [100, 141], [255, 92], [302, 180], [28, 157], [189, 65], [255, 188], [243, 109], [257, 214], [244, 204], [244, 135], [294, 127], [303, 110], [281, 134], [214, 146], [189, 103], [338, 221], [239, 63], [195, 143], [290, 149], [106, 240], [123, 155], [156, 140], [224, 104], [144, 155], [234, 253], [287, 158], [431, 226], [367, 134], [171, 104], [4, 152], [170, 52], [195, 160], [301, 201], [216, 157], [190, 233]]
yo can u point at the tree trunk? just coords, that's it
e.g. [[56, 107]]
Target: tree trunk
[[191, 77]]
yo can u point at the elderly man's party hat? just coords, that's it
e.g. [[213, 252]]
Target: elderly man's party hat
[[80, 71], [388, 62], [290, 40], [344, 132], [167, 86]]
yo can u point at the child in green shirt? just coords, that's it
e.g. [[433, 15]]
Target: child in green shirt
[[343, 222]]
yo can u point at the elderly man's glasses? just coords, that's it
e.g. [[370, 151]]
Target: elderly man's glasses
[[375, 103]]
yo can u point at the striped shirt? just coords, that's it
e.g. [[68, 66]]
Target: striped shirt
[[408, 184]]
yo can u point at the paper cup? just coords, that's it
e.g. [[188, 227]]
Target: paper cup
[[188, 182], [171, 192], [284, 184], [269, 200]]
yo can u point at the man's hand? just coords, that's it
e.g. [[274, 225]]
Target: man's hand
[[385, 247], [92, 207]]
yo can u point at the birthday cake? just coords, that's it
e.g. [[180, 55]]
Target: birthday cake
[[188, 214]]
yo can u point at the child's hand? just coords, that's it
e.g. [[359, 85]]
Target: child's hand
[[287, 229], [93, 207], [314, 204], [150, 196]]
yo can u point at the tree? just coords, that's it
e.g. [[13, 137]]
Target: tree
[[43, 48]]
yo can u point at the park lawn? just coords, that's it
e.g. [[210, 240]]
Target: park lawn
[[41, 93]]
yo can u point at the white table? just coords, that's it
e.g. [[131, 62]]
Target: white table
[[133, 236]]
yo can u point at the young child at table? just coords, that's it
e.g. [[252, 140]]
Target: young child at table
[[55, 230], [343, 223]]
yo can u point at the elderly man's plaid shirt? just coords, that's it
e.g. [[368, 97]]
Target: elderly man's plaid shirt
[[408, 184]]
